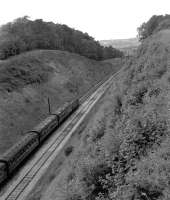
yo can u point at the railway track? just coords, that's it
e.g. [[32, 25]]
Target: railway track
[[92, 89], [23, 182]]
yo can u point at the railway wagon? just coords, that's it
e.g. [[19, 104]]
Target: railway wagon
[[3, 171], [15, 155], [54, 120], [66, 110], [44, 128], [75, 104]]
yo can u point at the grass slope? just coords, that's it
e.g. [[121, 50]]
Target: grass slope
[[125, 152], [27, 80]]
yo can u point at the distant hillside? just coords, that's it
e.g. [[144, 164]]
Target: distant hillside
[[27, 80], [126, 45]]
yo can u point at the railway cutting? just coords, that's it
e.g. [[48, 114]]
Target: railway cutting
[[23, 182]]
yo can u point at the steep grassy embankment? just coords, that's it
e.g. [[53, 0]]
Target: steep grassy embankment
[[27, 80], [125, 154]]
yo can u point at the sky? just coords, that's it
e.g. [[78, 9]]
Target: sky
[[101, 19]]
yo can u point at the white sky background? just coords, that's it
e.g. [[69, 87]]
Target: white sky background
[[102, 19]]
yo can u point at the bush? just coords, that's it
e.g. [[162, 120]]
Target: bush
[[138, 95], [90, 174], [68, 150]]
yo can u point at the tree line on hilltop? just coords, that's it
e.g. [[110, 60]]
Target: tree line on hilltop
[[153, 25], [23, 35]]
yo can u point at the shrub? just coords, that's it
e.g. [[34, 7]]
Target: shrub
[[154, 92], [90, 174], [69, 150], [138, 95]]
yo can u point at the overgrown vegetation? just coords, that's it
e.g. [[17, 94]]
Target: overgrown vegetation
[[24, 34], [130, 159]]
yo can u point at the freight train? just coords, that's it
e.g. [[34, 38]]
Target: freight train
[[32, 139]]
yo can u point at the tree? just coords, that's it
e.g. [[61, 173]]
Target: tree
[[24, 35], [150, 27]]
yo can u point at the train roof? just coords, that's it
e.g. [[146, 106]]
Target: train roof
[[61, 109], [44, 123], [19, 145]]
